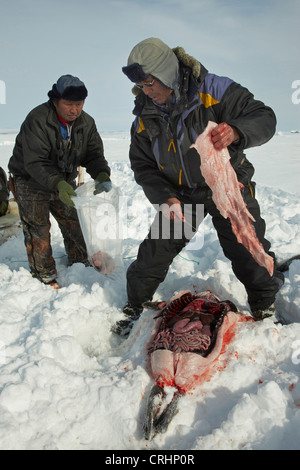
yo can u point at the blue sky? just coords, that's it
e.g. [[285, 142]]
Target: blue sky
[[256, 43]]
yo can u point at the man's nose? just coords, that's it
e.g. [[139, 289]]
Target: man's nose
[[146, 89]]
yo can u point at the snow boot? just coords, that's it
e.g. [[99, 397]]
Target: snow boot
[[269, 312], [47, 280], [54, 284], [123, 327]]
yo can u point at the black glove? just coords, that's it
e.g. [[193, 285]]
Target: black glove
[[102, 183]]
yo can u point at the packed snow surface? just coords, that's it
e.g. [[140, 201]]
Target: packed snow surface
[[67, 382]]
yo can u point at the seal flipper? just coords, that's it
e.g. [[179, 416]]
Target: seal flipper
[[153, 406], [156, 422], [162, 422]]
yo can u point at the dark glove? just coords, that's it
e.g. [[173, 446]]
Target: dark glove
[[102, 183], [65, 190]]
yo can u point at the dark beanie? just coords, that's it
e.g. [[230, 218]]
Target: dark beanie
[[68, 88]]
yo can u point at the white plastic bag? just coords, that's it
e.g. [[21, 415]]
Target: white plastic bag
[[99, 220]]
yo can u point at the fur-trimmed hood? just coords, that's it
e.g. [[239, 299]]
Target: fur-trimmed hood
[[198, 71], [188, 61]]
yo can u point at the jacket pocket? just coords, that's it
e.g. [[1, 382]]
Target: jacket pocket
[[245, 171], [192, 164]]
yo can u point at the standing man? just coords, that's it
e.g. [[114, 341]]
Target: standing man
[[55, 139], [175, 98]]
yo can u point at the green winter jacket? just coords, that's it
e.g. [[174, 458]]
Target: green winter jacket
[[41, 157], [160, 154]]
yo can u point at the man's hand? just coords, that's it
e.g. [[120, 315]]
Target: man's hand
[[102, 183], [171, 209], [223, 135], [65, 190]]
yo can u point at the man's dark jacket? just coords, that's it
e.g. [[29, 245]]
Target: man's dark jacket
[[160, 154], [41, 156]]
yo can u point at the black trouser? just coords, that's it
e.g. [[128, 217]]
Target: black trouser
[[35, 207], [156, 254]]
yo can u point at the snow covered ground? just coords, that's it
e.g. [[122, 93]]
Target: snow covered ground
[[66, 382]]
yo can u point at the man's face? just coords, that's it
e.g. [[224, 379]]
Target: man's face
[[157, 91], [69, 110]]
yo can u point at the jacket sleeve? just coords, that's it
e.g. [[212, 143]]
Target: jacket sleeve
[[255, 122], [94, 160], [146, 172]]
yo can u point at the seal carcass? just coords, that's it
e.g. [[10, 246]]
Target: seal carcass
[[190, 334]]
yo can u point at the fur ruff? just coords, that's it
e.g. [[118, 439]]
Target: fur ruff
[[188, 61]]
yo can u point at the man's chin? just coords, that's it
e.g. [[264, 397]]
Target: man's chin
[[158, 101]]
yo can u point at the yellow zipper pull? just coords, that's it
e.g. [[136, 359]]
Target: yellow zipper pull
[[172, 144], [180, 177]]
